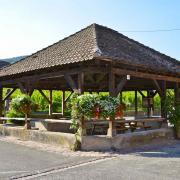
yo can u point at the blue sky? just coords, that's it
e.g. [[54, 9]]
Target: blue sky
[[27, 26]]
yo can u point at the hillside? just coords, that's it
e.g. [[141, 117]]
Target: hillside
[[13, 59], [3, 63]]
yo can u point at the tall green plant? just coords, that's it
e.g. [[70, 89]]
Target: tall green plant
[[23, 104]]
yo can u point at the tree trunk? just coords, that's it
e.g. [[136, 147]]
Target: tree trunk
[[27, 123]]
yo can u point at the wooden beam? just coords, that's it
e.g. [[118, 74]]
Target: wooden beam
[[163, 99], [22, 88], [58, 73], [45, 97], [30, 92], [100, 78], [90, 78], [177, 93], [121, 97], [71, 82], [121, 85], [157, 86], [155, 93], [9, 94], [50, 104], [136, 103], [81, 83], [1, 101], [112, 92], [140, 92], [63, 103], [148, 107], [69, 96], [112, 89], [146, 75]]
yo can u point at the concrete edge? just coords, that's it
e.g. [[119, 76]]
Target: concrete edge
[[65, 140]]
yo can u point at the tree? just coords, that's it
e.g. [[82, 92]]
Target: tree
[[23, 104]]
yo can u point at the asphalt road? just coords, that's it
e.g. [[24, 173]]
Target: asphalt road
[[162, 163], [16, 160]]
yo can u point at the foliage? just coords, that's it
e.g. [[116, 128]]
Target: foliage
[[108, 106], [84, 105], [173, 111], [23, 104], [13, 114], [43, 106]]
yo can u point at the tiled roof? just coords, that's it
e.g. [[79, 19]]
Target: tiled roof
[[92, 42]]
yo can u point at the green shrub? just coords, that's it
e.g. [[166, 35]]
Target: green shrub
[[14, 114]]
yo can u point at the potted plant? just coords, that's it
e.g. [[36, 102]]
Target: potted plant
[[23, 104]]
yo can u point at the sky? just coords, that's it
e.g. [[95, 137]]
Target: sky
[[27, 26]]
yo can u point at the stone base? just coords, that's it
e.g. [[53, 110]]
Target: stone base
[[126, 141], [52, 125], [64, 140]]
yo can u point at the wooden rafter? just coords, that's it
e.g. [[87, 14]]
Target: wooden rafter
[[42, 93], [158, 88], [71, 82], [140, 92], [22, 87], [121, 85], [81, 83], [9, 94], [69, 96], [100, 77]]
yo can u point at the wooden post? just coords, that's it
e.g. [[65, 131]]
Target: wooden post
[[176, 94], [163, 99], [63, 102], [112, 129], [81, 83], [81, 91], [121, 97], [50, 103], [148, 108], [1, 101], [136, 104]]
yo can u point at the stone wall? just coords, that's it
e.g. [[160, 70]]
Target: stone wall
[[126, 141], [61, 139]]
